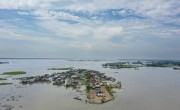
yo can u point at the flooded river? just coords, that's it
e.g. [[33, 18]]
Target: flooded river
[[144, 89]]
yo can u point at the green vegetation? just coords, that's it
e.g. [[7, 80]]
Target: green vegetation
[[82, 70], [137, 64], [5, 84], [59, 68], [14, 73], [68, 85], [88, 76], [3, 79], [119, 65], [88, 88], [109, 89], [163, 64]]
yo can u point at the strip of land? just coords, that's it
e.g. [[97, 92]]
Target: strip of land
[[14, 73], [137, 64], [59, 68], [3, 79], [5, 83]]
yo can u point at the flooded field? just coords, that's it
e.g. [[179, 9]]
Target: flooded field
[[149, 88]]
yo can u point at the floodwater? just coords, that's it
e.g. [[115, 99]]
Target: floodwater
[[143, 89]]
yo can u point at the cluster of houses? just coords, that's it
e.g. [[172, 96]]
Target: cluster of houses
[[59, 78], [35, 79], [98, 80], [74, 78]]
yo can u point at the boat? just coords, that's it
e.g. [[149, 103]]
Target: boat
[[176, 68], [77, 98]]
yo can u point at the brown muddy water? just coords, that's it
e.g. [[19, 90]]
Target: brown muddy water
[[143, 89]]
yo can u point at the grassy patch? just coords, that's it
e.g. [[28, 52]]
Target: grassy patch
[[14, 73], [3, 79], [5, 84], [88, 88], [58, 68], [109, 89]]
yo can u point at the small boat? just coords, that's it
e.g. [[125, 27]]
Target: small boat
[[176, 68], [77, 98]]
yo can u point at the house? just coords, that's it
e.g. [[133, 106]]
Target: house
[[32, 80], [24, 81], [99, 93], [59, 81], [112, 79]]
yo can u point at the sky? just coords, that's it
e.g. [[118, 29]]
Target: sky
[[133, 29]]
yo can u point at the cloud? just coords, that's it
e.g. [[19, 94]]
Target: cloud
[[15, 33], [80, 30], [162, 10], [108, 27], [54, 14], [11, 35], [121, 12], [25, 4], [22, 13]]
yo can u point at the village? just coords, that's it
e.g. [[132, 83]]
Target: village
[[98, 86]]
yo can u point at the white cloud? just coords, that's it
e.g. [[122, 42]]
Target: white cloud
[[151, 8], [15, 33], [57, 28], [25, 4], [55, 15], [79, 30], [93, 34], [175, 30], [107, 32], [158, 10], [22, 13], [121, 12]]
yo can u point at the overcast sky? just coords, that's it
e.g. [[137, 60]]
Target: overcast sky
[[90, 28]]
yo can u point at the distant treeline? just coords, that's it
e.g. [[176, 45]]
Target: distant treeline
[[119, 65], [163, 64]]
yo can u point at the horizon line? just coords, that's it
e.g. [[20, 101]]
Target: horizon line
[[90, 58]]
